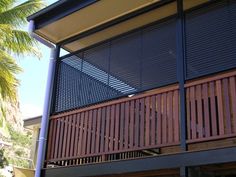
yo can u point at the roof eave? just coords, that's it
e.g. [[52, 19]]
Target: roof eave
[[57, 11]]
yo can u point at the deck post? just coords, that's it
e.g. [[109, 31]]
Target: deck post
[[181, 79], [181, 74], [183, 171]]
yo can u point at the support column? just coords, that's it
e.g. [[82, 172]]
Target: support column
[[181, 79], [181, 74], [184, 172]]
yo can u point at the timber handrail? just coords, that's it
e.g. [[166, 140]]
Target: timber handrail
[[112, 102]]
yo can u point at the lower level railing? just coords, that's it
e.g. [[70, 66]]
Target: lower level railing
[[144, 121], [140, 125]]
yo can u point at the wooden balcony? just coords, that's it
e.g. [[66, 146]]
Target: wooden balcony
[[146, 124]]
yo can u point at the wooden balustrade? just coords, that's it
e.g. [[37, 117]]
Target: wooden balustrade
[[211, 107], [141, 122], [127, 126]]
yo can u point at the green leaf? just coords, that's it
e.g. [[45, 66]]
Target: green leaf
[[14, 41], [17, 15]]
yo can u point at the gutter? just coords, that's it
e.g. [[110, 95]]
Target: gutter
[[47, 100]]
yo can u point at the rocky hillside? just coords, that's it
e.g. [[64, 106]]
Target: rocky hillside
[[13, 116], [15, 141]]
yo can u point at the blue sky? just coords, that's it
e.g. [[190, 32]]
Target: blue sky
[[33, 81]]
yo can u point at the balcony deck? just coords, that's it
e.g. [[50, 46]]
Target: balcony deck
[[146, 124]]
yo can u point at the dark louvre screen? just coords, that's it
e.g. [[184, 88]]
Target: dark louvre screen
[[133, 63], [211, 39]]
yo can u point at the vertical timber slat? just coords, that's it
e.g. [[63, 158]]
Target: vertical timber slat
[[102, 130], [77, 122], [94, 131], [227, 105], [153, 121], [206, 110], [131, 135], [126, 131], [107, 129], [199, 111], [90, 121], [72, 144], [142, 122], [164, 118], [193, 113], [136, 134], [117, 120], [81, 133], [159, 120], [188, 114], [147, 129], [68, 139], [56, 139], [85, 132], [176, 116], [112, 128], [170, 116], [213, 109], [50, 138], [98, 130], [233, 100], [122, 116], [65, 136], [220, 106]]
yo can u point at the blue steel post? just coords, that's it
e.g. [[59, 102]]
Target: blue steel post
[[181, 78]]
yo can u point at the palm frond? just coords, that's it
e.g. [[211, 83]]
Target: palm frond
[[5, 31], [20, 43], [8, 81], [14, 42], [17, 15], [6, 4]]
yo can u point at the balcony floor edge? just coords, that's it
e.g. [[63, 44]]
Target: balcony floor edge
[[207, 157]]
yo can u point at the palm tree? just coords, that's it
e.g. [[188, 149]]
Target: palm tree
[[14, 42]]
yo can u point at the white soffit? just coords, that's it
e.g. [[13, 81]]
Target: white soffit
[[89, 17]]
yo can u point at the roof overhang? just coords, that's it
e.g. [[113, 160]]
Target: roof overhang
[[32, 122], [77, 24]]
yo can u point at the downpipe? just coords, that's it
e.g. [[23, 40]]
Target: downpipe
[[47, 100]]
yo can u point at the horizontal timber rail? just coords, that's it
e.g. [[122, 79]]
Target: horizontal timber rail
[[131, 126], [143, 95]]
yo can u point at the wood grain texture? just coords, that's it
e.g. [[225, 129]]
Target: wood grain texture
[[226, 106], [176, 116], [213, 108], [107, 131], [233, 100], [131, 127], [199, 111], [145, 121], [153, 120], [220, 106], [159, 120], [141, 127], [164, 118], [206, 110], [50, 137], [126, 126]]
